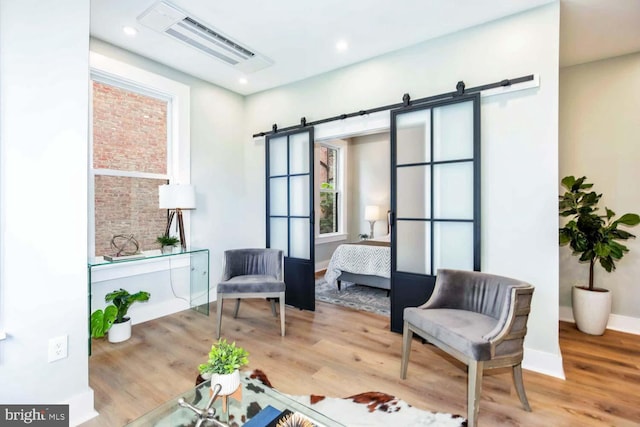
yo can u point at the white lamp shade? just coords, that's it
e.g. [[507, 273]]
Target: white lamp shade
[[176, 196], [371, 213]]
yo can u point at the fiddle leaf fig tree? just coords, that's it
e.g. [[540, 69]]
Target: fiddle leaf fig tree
[[592, 237]]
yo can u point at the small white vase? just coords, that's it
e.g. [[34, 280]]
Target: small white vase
[[591, 309], [166, 250], [119, 332], [229, 382]]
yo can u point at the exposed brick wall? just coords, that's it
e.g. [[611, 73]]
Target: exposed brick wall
[[130, 134]]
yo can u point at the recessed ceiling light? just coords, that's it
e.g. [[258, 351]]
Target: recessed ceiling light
[[341, 46], [130, 31], [243, 81]]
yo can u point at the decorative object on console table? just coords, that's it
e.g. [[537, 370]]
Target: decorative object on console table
[[113, 319], [223, 365], [371, 214], [167, 243], [176, 198], [125, 247], [594, 238]]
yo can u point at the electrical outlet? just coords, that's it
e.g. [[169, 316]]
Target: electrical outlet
[[57, 348]]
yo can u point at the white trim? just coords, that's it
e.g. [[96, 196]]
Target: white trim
[[81, 407], [333, 237], [543, 362], [129, 174], [322, 265], [353, 126], [617, 322]]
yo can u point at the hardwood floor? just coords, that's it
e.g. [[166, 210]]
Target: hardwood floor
[[338, 351]]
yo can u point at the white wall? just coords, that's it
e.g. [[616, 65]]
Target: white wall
[[599, 128], [43, 211], [519, 137]]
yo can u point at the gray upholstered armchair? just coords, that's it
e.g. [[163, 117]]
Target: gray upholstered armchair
[[252, 273], [478, 318]]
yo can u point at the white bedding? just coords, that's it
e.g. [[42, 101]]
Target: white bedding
[[359, 259]]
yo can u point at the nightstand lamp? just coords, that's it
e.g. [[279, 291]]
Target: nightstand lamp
[[371, 214]]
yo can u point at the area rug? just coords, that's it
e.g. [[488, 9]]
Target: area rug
[[370, 409], [359, 297]]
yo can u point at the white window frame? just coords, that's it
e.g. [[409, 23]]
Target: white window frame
[[340, 187], [120, 74]]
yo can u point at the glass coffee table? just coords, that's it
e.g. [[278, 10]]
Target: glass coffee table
[[255, 397]]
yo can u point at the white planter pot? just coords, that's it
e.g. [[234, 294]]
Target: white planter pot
[[229, 382], [119, 332], [591, 309], [166, 250]]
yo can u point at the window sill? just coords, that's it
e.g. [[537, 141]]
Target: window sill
[[328, 238]]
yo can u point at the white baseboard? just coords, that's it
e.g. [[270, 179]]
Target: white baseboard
[[81, 408], [543, 362], [617, 322], [322, 265]]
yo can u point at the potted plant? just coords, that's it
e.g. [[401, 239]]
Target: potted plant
[[167, 243], [113, 319], [594, 238], [222, 365]]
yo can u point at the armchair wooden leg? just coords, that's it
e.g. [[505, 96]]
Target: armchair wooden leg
[[219, 315], [282, 313], [474, 388], [235, 312], [407, 336], [273, 306], [517, 380]]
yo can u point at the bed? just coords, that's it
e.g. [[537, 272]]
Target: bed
[[367, 262]]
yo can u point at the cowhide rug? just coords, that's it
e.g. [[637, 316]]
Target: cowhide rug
[[370, 409]]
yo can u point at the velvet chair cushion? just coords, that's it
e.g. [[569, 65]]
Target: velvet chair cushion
[[462, 330], [251, 283]]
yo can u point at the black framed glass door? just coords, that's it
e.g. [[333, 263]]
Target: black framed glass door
[[435, 197], [289, 211]]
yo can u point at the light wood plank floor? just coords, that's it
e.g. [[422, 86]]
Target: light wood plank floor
[[339, 352]]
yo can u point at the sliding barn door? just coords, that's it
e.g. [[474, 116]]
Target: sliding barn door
[[289, 211], [435, 197]]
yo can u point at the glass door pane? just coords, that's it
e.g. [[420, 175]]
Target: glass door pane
[[435, 197], [289, 216]]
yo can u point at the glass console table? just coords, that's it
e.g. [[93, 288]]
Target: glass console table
[[255, 397], [190, 266]]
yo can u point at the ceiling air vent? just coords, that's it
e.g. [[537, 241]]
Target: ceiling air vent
[[168, 19]]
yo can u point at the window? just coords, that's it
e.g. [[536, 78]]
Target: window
[[140, 139], [330, 194], [129, 163]]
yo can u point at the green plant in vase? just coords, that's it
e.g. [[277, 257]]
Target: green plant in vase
[[594, 238], [222, 365]]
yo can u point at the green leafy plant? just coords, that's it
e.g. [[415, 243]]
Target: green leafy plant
[[224, 358], [102, 320], [167, 240], [592, 237]]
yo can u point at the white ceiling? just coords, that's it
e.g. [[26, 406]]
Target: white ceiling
[[300, 36]]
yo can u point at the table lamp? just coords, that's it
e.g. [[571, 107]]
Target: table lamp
[[371, 214], [177, 197]]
